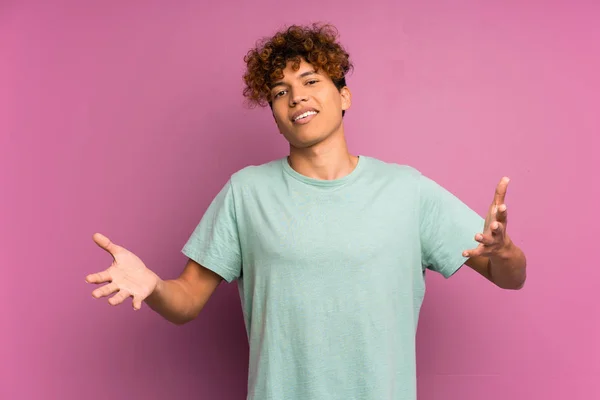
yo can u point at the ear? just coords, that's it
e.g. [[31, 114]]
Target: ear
[[346, 98]]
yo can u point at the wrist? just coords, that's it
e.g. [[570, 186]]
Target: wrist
[[507, 252], [158, 289]]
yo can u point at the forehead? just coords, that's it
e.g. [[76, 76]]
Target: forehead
[[290, 73]]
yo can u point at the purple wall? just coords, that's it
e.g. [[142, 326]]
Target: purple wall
[[127, 119]]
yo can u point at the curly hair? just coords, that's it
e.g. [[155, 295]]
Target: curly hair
[[315, 44]]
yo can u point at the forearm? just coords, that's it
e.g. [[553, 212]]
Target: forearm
[[508, 269], [172, 299]]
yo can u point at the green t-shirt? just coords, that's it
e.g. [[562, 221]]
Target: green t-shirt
[[331, 273]]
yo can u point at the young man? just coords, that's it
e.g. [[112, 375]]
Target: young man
[[329, 249]]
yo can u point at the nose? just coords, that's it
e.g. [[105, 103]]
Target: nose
[[297, 96]]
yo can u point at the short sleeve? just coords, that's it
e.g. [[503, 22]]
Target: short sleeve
[[447, 228], [215, 243]]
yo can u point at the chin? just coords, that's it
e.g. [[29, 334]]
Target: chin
[[304, 141]]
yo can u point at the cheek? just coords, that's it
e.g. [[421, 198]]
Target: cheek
[[277, 115], [333, 99], [280, 120]]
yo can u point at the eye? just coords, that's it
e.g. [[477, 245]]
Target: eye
[[312, 82], [280, 93]]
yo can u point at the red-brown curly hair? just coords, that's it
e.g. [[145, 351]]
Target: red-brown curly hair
[[316, 44]]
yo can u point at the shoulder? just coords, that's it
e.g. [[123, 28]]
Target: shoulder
[[392, 170], [258, 174]]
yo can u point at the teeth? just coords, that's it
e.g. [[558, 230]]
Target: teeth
[[306, 114]]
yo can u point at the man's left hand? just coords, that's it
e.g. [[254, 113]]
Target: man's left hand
[[493, 241]]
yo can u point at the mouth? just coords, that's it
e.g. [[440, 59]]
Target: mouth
[[304, 116]]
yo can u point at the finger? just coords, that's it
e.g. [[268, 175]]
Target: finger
[[99, 277], [119, 297], [473, 252], [501, 213], [137, 302], [501, 191], [497, 228], [484, 239], [105, 243], [105, 290]]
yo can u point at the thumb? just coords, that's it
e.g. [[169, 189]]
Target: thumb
[[137, 303], [105, 243]]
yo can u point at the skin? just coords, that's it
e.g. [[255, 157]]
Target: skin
[[318, 150]]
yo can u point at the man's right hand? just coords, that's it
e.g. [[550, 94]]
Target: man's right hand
[[127, 276]]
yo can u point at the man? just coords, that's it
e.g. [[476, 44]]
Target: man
[[329, 249]]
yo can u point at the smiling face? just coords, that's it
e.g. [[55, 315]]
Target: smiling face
[[307, 105]]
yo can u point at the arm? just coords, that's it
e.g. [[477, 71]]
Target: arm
[[178, 300], [181, 300], [214, 255], [507, 271]]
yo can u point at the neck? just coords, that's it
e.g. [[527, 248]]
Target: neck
[[326, 160]]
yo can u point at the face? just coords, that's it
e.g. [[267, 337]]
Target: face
[[307, 106]]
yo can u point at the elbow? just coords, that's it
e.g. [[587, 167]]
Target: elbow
[[516, 284], [181, 320], [511, 276], [520, 283]]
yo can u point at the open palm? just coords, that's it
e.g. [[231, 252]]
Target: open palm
[[127, 275]]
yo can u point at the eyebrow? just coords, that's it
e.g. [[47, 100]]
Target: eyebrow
[[302, 75]]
